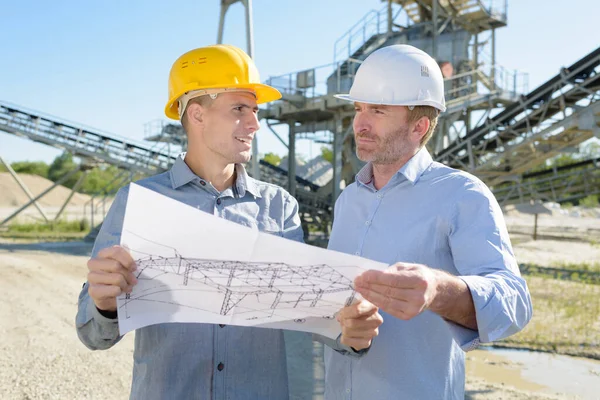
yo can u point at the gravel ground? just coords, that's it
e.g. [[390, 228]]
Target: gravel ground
[[40, 354]]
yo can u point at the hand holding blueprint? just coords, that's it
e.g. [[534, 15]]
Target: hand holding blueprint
[[195, 267]]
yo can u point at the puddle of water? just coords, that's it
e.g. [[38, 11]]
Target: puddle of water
[[537, 372]]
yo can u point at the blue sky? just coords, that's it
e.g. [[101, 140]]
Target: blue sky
[[105, 64]]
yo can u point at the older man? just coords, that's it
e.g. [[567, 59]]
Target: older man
[[453, 280]]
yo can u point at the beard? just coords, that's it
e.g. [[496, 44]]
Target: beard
[[388, 149]]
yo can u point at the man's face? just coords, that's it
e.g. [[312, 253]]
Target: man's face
[[382, 133], [229, 126]]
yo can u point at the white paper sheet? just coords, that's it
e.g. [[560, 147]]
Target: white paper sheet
[[196, 267]]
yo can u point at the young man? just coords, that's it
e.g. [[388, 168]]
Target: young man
[[215, 92], [453, 280]]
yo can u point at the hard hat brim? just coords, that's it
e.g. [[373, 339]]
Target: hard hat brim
[[430, 103], [264, 94]]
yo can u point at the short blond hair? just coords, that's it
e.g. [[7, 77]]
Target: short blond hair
[[204, 101], [431, 113]]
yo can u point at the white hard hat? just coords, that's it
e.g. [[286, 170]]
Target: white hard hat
[[398, 75]]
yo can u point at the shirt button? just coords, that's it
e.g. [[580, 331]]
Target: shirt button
[[379, 196], [203, 183], [347, 390], [221, 325], [357, 253], [219, 201], [220, 366], [368, 223]]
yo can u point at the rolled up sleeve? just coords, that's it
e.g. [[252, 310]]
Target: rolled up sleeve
[[484, 258]]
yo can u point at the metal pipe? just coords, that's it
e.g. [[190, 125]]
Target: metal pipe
[[224, 7], [250, 48], [249, 28], [475, 59], [435, 30], [292, 159], [390, 20], [338, 138], [494, 58]]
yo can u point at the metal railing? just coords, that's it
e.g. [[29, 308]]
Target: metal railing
[[338, 77], [324, 79], [496, 79], [371, 24]]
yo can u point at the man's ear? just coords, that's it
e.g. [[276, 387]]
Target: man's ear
[[421, 127], [195, 113]]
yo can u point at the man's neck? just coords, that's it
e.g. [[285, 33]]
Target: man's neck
[[382, 173], [220, 175]]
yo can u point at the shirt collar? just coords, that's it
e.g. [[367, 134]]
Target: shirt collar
[[245, 183], [412, 170], [181, 174]]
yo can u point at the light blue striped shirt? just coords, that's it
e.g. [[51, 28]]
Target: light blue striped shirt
[[201, 361], [434, 215]]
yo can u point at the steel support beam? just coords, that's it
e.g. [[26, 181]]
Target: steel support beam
[[59, 182], [24, 187]]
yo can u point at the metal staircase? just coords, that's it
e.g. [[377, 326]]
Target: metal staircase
[[559, 114]]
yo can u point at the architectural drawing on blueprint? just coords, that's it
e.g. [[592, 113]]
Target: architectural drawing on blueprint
[[249, 290]]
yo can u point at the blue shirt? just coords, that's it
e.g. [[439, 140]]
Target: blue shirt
[[434, 215], [201, 361]]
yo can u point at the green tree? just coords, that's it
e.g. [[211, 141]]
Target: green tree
[[100, 180], [589, 201], [327, 154], [272, 159], [62, 165], [31, 167]]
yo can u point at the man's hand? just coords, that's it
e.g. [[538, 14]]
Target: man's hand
[[360, 324], [110, 274], [403, 290]]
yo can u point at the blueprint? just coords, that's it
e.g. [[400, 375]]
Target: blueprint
[[196, 267]]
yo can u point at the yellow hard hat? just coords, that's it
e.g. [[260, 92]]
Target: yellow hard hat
[[215, 67]]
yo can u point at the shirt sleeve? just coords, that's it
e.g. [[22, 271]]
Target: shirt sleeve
[[484, 258], [96, 331], [292, 227]]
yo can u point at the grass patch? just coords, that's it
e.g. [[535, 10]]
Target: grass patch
[[59, 230], [59, 226], [584, 266], [583, 272], [44, 236], [566, 318]]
